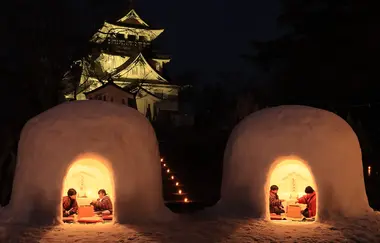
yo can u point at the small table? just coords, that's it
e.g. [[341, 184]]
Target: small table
[[294, 211]]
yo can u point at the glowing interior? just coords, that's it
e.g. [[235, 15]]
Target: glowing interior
[[87, 175], [292, 176]]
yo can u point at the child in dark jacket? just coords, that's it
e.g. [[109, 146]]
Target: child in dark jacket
[[69, 203], [275, 204]]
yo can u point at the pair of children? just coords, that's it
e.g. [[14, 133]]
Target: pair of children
[[70, 206], [275, 204]]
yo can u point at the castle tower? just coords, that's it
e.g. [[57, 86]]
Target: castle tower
[[123, 52]]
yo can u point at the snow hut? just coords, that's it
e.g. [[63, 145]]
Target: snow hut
[[293, 147], [88, 145]]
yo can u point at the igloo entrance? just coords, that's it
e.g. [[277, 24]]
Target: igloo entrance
[[291, 176], [87, 175]]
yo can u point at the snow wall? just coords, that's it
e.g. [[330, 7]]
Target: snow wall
[[324, 141], [118, 135]]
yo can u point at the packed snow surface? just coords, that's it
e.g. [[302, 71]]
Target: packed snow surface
[[202, 231], [116, 135], [323, 141]]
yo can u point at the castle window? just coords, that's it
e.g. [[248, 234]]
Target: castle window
[[142, 38], [111, 99], [120, 36], [104, 98], [123, 101], [131, 37]]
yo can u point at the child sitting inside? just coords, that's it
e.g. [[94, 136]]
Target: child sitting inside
[[103, 204], [311, 201], [275, 204], [69, 203]]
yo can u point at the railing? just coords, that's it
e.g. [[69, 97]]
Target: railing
[[124, 42], [125, 46]]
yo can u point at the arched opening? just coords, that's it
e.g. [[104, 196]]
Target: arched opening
[[88, 175], [291, 176]]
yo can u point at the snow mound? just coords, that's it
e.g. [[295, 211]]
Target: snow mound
[[320, 140], [116, 136]]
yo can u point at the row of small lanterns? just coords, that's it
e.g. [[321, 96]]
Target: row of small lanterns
[[174, 179]]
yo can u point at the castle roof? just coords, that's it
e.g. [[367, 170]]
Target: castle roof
[[132, 18]]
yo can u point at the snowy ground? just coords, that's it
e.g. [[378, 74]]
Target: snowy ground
[[199, 231]]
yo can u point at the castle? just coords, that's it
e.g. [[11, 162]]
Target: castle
[[124, 67]]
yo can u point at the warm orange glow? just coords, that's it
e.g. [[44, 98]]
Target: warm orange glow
[[172, 177], [162, 160], [168, 170], [179, 191], [292, 176], [164, 165], [177, 184], [369, 170], [186, 200], [87, 175]]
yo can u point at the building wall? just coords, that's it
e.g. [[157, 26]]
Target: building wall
[[112, 94], [147, 103]]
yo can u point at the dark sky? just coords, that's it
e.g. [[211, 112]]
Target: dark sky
[[210, 35], [205, 36]]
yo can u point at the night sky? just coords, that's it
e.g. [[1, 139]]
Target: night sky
[[209, 36], [205, 37]]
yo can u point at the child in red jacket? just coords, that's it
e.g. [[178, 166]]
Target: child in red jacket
[[310, 199]]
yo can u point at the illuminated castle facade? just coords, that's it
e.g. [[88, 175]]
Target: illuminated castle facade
[[123, 55]]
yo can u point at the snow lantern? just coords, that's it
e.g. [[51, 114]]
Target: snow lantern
[[293, 147], [88, 145]]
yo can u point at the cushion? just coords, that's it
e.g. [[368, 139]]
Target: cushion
[[274, 216], [90, 220], [68, 219], [107, 217]]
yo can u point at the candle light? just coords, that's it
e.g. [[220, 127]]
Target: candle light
[[369, 170], [172, 177]]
